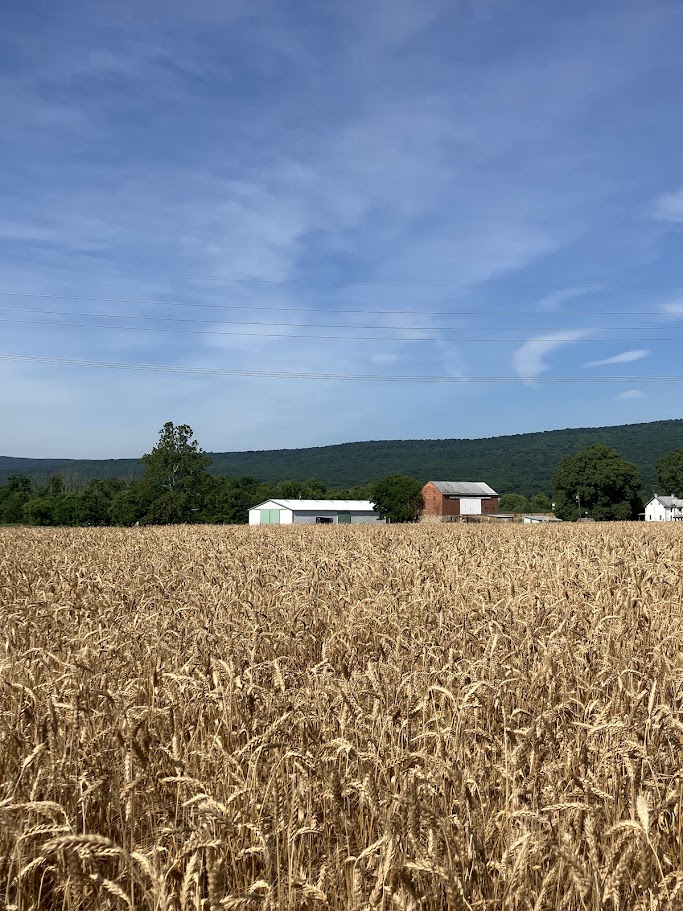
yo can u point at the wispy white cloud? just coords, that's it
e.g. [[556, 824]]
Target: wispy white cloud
[[555, 300], [672, 309], [626, 357], [530, 360], [630, 395], [328, 156], [669, 206]]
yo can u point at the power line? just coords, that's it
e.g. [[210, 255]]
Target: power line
[[510, 311], [586, 287], [285, 374], [367, 338], [307, 325]]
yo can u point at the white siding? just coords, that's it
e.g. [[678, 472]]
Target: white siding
[[305, 512], [655, 512], [255, 513]]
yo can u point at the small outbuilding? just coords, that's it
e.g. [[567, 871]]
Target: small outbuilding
[[314, 512], [539, 519], [447, 501], [664, 509]]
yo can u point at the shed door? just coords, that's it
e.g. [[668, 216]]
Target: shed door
[[344, 518], [470, 506], [270, 517]]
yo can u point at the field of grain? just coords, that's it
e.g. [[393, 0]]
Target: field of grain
[[342, 717]]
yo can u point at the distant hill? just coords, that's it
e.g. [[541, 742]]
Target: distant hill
[[522, 463]]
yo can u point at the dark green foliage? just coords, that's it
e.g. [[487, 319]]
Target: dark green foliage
[[173, 487], [513, 502], [670, 473], [14, 495], [398, 498], [540, 503], [523, 463], [598, 483]]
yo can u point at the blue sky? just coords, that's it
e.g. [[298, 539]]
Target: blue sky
[[446, 172]]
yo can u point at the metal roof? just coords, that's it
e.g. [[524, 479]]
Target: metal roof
[[322, 505], [464, 488], [669, 502]]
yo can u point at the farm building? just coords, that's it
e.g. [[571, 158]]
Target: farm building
[[538, 519], [664, 509], [447, 501], [312, 512]]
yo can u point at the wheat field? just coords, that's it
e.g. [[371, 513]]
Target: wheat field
[[423, 717]]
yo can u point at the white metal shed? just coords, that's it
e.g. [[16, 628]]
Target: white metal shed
[[312, 512]]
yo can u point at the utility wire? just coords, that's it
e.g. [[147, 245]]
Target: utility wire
[[268, 323], [285, 374], [367, 338], [586, 287], [510, 311]]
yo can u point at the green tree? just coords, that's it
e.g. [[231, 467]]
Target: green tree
[[40, 511], [541, 503], [598, 483], [670, 473], [229, 500], [398, 498], [513, 502], [127, 507], [175, 476], [13, 497], [312, 489]]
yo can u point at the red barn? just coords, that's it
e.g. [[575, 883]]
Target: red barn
[[446, 501]]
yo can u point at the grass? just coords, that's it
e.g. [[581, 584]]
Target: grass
[[419, 717]]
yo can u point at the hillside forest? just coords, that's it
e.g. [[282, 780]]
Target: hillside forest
[[176, 486]]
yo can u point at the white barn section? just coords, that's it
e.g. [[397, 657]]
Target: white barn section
[[313, 512], [664, 509]]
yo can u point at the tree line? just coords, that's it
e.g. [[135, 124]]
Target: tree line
[[176, 487]]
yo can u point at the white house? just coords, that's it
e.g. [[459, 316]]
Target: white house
[[314, 512], [664, 509]]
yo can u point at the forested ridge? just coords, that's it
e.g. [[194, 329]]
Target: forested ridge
[[524, 463]]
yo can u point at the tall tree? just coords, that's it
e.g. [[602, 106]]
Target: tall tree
[[398, 498], [175, 476], [670, 473], [598, 483]]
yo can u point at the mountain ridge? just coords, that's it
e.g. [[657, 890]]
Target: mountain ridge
[[523, 462]]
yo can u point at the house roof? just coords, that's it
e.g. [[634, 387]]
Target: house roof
[[464, 488], [669, 502], [322, 505]]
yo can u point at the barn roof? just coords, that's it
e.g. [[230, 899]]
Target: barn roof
[[464, 488], [322, 505]]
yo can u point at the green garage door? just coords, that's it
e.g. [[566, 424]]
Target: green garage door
[[270, 517], [344, 518]]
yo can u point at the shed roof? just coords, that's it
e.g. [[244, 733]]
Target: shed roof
[[322, 505], [464, 488]]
